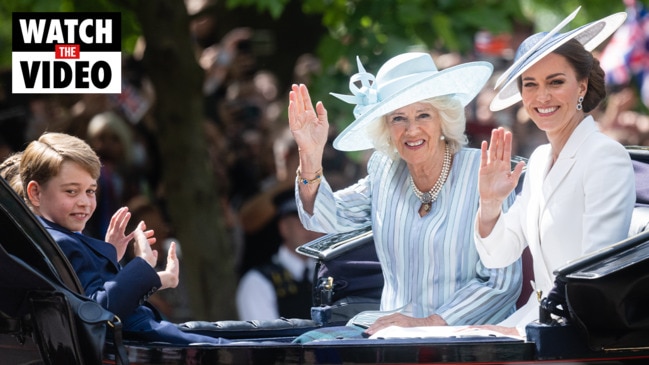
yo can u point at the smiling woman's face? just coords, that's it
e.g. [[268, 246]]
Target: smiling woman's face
[[415, 131], [550, 92]]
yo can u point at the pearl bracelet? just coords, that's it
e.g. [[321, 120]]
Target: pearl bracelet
[[303, 181]]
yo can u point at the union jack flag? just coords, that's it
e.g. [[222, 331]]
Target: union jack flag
[[131, 102], [625, 58]]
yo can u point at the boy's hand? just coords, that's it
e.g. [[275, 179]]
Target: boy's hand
[[170, 276], [115, 233], [142, 247]]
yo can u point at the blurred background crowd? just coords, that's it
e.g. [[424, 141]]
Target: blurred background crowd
[[250, 150]]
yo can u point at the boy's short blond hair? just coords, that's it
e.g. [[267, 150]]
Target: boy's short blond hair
[[42, 159]]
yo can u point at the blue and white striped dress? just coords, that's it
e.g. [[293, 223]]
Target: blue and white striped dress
[[430, 264]]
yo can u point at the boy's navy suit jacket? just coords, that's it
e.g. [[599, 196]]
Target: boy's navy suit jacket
[[123, 290]]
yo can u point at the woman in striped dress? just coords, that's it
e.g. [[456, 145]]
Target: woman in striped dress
[[420, 195]]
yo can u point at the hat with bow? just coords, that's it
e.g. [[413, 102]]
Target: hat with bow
[[403, 80]]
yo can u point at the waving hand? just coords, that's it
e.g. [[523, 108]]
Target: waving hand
[[310, 127], [496, 179]]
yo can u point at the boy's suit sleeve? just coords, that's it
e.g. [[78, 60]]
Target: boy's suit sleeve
[[95, 262]]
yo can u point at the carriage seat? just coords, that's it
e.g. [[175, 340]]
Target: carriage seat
[[250, 330]]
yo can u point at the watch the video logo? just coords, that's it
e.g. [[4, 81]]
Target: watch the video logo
[[66, 53]]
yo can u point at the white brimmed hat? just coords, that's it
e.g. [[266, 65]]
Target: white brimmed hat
[[404, 79], [541, 44]]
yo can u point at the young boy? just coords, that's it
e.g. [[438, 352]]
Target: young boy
[[59, 174]]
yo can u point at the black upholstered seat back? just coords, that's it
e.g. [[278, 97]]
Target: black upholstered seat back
[[24, 237]]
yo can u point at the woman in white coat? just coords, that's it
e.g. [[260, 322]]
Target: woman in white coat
[[579, 190]]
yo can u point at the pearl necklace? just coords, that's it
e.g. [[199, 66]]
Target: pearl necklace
[[429, 197]]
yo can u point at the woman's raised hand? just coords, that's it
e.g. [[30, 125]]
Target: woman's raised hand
[[310, 127], [496, 179]]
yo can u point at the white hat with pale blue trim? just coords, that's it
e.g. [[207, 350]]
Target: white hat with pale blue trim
[[404, 79], [539, 45]]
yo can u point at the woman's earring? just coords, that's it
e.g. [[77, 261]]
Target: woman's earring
[[579, 106], [441, 138]]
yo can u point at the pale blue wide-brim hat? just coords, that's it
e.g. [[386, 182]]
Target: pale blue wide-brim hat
[[404, 79], [539, 45]]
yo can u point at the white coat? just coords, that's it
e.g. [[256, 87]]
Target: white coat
[[581, 204]]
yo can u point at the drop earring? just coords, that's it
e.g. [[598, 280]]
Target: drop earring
[[579, 106]]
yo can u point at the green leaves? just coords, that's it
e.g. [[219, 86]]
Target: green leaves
[[273, 7]]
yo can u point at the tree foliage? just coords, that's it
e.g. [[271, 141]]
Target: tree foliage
[[375, 30]]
